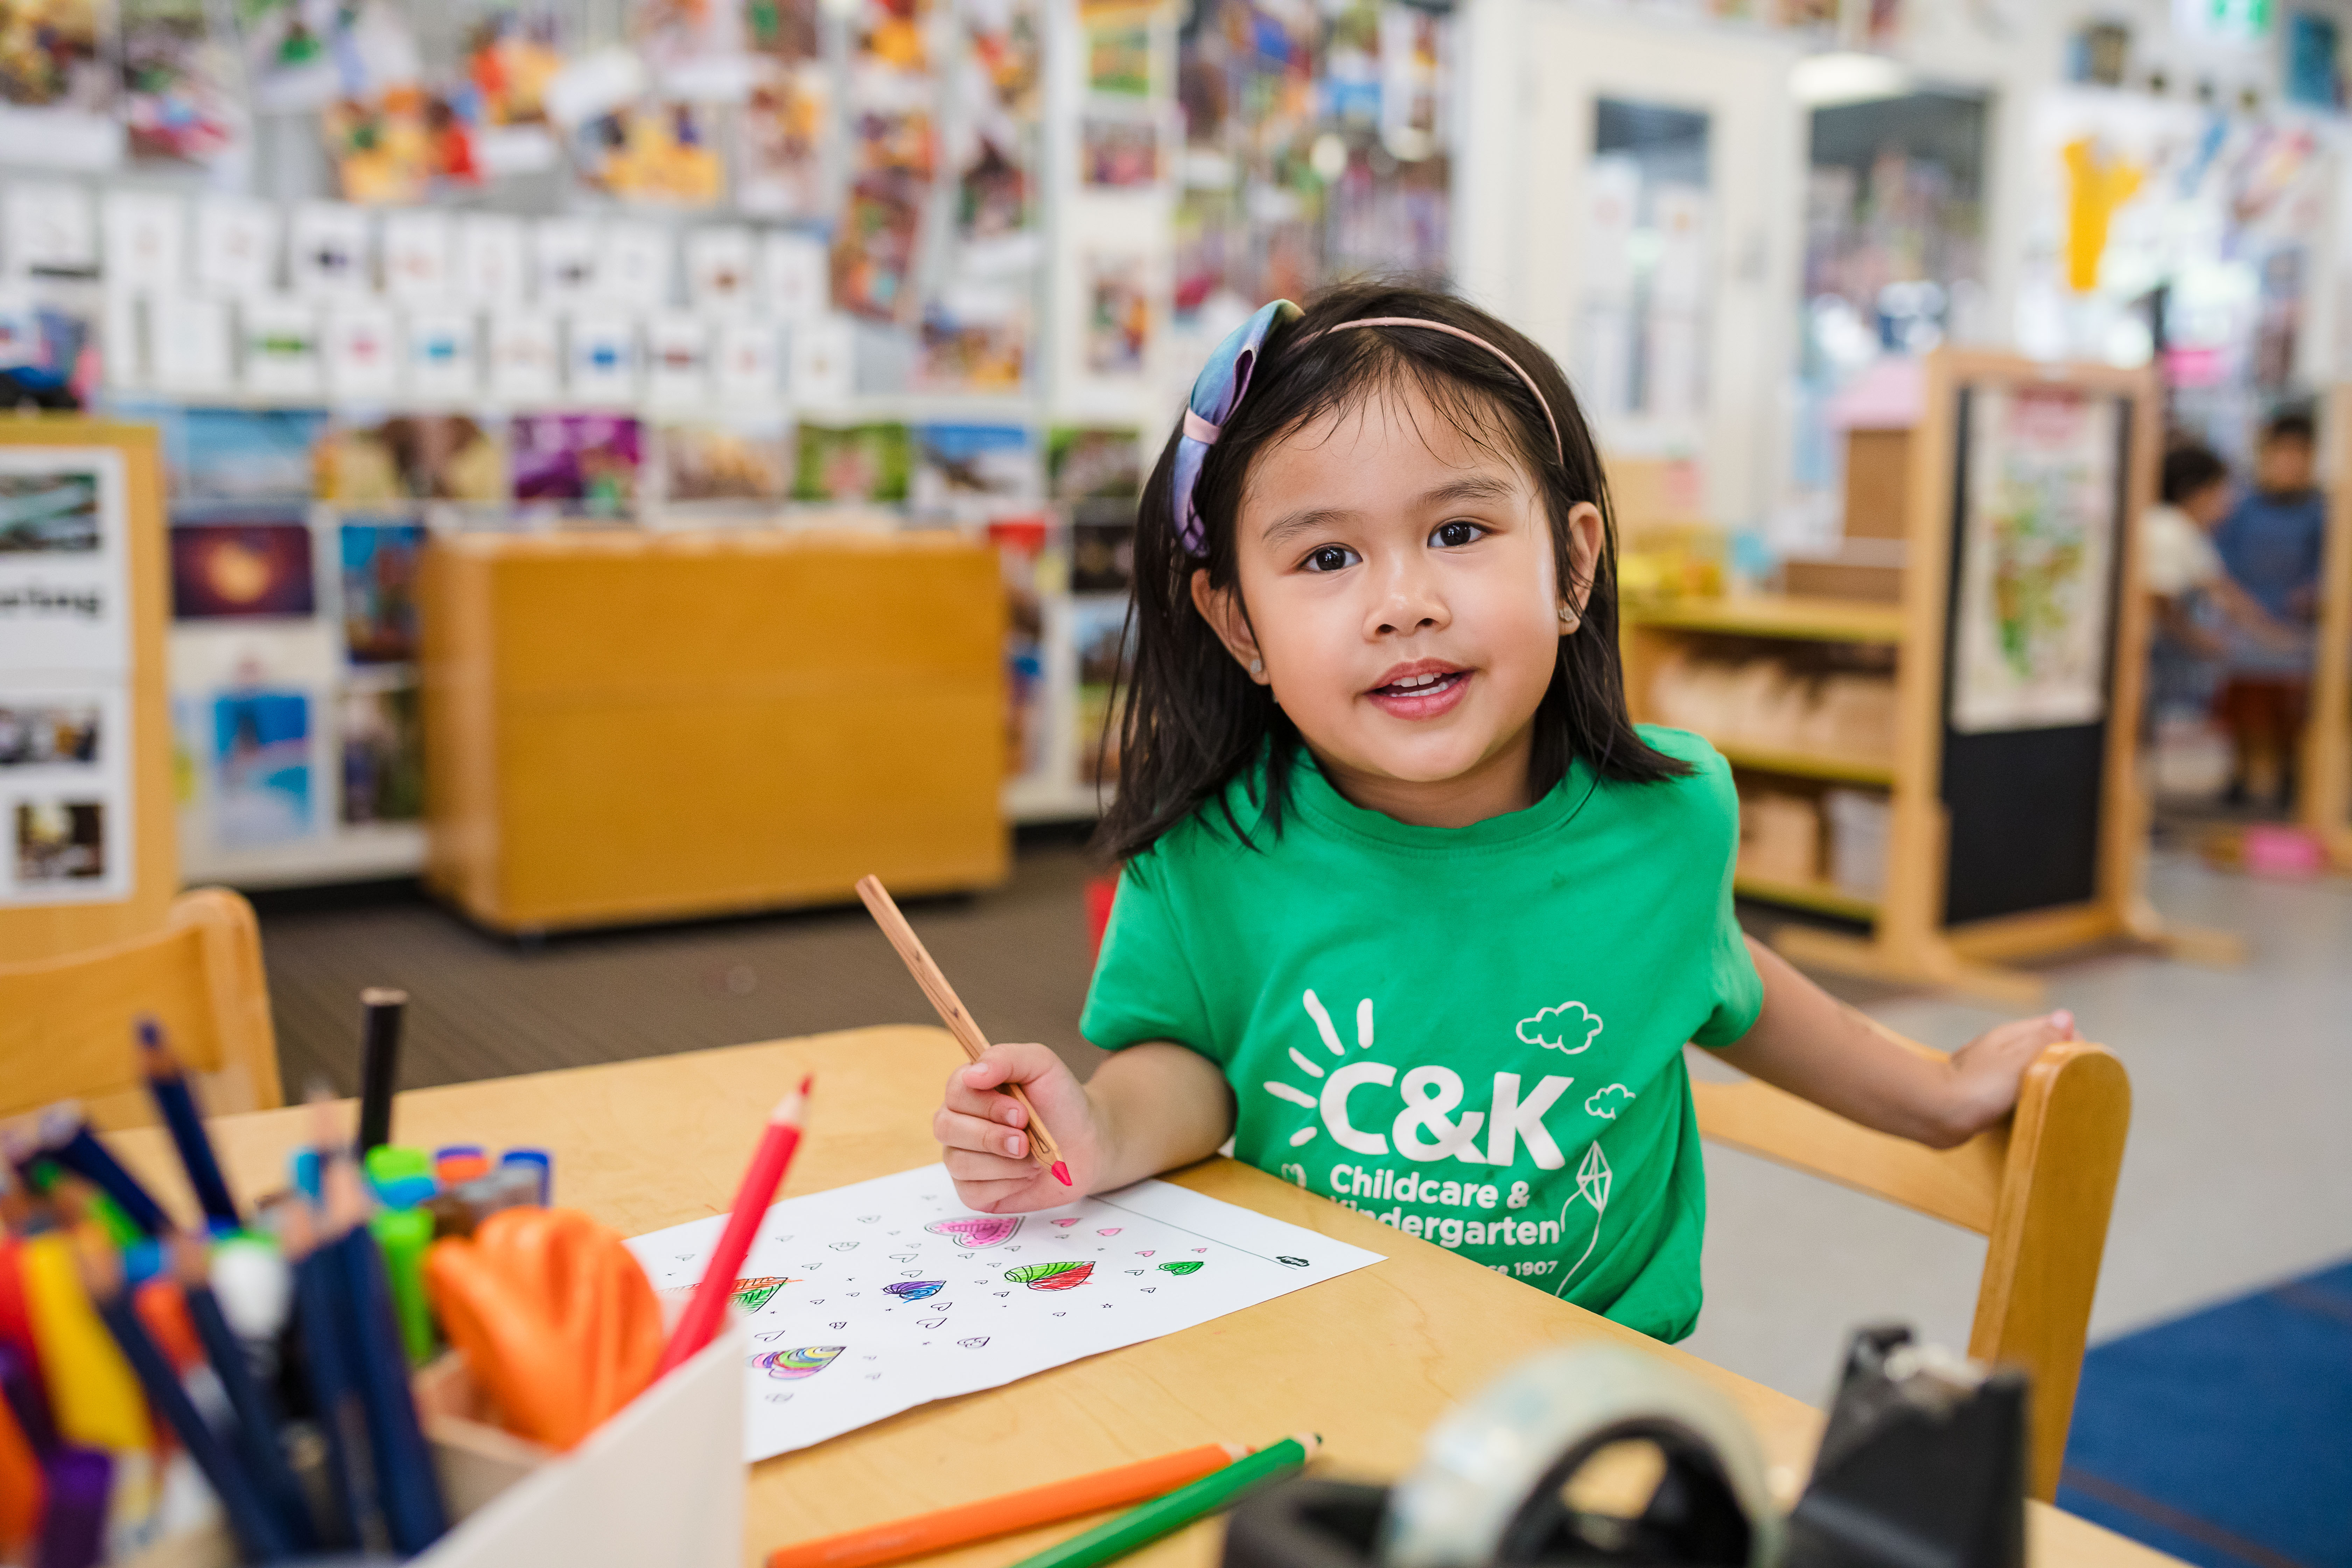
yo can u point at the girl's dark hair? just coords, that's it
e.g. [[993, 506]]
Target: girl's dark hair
[[1192, 720]]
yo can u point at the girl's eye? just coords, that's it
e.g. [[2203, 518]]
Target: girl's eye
[[1330, 558], [1451, 535]]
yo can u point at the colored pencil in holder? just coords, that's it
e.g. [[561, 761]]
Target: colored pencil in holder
[[381, 1009], [941, 1528], [79, 1483], [168, 1083], [708, 1307], [320, 1323], [255, 1524], [66, 1139], [258, 1416], [407, 1490]]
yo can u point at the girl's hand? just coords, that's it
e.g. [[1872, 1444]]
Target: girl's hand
[[985, 1133], [1981, 1078]]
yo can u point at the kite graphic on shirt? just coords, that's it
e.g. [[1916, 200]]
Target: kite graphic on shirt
[[1592, 1178]]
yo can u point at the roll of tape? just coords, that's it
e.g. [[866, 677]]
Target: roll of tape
[[1488, 1490]]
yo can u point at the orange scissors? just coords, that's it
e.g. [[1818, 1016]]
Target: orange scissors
[[553, 1315]]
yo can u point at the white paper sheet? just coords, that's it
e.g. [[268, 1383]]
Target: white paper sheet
[[875, 1297]]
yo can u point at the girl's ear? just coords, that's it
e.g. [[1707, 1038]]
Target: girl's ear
[[1222, 608], [1585, 534]]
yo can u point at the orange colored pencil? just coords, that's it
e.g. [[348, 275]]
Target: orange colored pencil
[[923, 1532], [1043, 1149]]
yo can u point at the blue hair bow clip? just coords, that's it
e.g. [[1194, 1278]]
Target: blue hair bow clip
[[1216, 392]]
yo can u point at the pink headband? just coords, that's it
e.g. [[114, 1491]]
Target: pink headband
[[1218, 392], [1558, 448]]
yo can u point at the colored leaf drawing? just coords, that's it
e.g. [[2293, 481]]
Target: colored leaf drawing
[[1182, 1265], [793, 1364], [753, 1294], [990, 1230], [915, 1289], [1051, 1276]]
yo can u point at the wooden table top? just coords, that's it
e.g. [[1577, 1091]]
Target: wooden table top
[[1371, 1360]]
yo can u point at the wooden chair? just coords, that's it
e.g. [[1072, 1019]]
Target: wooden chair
[[2038, 1188], [65, 1024]]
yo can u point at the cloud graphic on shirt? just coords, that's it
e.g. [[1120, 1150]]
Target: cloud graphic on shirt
[[1567, 1028], [1606, 1103]]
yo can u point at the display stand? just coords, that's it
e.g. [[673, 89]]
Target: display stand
[[116, 871], [626, 727], [2327, 794], [2007, 839]]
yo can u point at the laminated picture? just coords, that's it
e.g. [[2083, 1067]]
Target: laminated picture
[[780, 134], [42, 734], [587, 462], [59, 842], [181, 103], [1119, 59], [414, 457], [1118, 152], [49, 513], [1105, 662], [655, 150], [1021, 555], [783, 30], [890, 35], [242, 567], [712, 462], [379, 571], [512, 54], [1118, 315], [383, 756], [978, 350], [261, 767], [896, 139], [243, 454], [1102, 547], [1007, 50], [874, 248], [851, 465], [1087, 462], [974, 471], [992, 192], [670, 35], [288, 47], [398, 146], [53, 56]]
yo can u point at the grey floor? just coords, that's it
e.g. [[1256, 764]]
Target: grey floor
[[2239, 1172]]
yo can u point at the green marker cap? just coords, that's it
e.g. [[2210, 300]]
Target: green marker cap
[[1188, 1504]]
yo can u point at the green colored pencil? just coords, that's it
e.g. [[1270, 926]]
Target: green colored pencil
[[1139, 1527]]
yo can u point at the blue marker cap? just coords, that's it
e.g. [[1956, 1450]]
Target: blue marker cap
[[303, 1167], [542, 1160], [142, 1261]]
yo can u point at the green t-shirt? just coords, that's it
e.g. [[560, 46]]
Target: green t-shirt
[[1473, 1033]]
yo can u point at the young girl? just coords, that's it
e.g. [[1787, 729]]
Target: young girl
[[1411, 910]]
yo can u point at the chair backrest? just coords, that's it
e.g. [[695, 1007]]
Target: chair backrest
[[65, 1024], [2039, 1189]]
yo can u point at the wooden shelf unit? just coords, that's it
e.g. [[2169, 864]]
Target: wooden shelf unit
[[2326, 807], [1912, 939]]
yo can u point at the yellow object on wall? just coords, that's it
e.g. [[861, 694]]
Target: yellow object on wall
[[2096, 187]]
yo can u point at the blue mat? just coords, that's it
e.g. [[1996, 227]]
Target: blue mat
[[2225, 1438]]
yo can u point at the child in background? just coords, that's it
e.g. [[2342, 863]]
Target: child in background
[[2197, 603], [2271, 545], [1412, 912]]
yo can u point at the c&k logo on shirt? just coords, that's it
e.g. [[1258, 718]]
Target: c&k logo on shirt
[[1425, 1125]]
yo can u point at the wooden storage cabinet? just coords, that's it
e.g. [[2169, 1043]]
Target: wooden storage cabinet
[[640, 727]]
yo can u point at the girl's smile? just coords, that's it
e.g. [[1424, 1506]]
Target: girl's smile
[[1423, 688]]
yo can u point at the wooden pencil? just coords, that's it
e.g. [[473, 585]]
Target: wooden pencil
[[942, 1528], [1043, 1149]]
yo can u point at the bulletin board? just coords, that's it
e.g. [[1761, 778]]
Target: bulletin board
[[2040, 508], [89, 845]]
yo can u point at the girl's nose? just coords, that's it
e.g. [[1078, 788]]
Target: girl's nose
[[1410, 603]]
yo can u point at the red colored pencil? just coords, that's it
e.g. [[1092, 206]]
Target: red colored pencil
[[703, 1313]]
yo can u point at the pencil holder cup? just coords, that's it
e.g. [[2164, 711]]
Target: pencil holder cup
[[662, 1482]]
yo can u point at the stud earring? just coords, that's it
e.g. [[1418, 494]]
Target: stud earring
[[1257, 667]]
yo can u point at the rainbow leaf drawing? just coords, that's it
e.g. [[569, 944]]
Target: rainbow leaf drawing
[[753, 1294], [794, 1364], [1051, 1276], [989, 1230], [1181, 1266], [915, 1289]]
